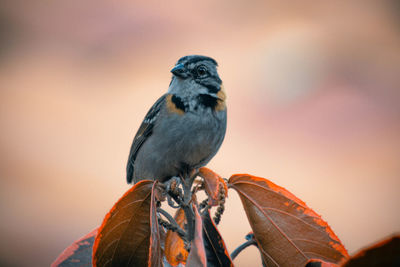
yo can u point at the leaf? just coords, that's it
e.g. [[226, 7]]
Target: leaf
[[320, 263], [211, 183], [197, 255], [384, 253], [79, 253], [175, 251], [124, 237], [217, 254], [288, 233]]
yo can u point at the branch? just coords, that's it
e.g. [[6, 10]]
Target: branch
[[241, 247]]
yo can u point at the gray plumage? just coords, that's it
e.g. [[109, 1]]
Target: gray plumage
[[185, 127]]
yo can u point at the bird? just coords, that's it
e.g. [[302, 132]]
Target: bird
[[184, 128]]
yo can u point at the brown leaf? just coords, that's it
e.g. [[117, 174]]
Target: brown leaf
[[175, 251], [217, 254], [124, 236], [197, 255], [79, 253], [320, 263], [288, 233], [384, 253], [211, 183]]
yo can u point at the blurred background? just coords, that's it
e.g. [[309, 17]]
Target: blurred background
[[313, 100]]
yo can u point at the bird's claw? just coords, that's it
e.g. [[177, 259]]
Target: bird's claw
[[172, 189], [173, 183]]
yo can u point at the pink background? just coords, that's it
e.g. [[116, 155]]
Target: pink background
[[313, 99]]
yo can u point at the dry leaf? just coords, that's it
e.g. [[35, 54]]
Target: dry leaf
[[288, 233]]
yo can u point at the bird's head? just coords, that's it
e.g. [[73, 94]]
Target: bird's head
[[194, 75]]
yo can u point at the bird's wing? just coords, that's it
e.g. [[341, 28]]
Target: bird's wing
[[145, 130]]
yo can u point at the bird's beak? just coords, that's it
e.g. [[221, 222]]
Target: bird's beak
[[221, 93], [180, 71]]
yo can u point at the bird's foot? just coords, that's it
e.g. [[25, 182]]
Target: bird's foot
[[173, 183], [174, 193]]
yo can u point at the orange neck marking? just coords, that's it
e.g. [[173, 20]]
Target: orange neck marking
[[171, 107]]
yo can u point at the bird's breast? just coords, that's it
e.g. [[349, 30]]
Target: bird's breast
[[192, 136]]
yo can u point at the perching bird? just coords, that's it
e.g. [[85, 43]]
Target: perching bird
[[184, 129]]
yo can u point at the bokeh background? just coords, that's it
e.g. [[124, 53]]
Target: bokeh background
[[313, 98]]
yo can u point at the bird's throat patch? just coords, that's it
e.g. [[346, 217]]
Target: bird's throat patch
[[208, 101], [175, 104], [215, 103]]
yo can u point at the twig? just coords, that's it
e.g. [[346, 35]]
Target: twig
[[175, 226]]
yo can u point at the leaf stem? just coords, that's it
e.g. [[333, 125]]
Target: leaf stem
[[187, 208]]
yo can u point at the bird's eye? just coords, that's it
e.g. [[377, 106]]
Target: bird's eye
[[201, 70]]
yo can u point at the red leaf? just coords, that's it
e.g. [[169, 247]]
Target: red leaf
[[288, 233], [175, 251], [384, 253], [217, 254], [79, 253], [124, 236], [197, 255]]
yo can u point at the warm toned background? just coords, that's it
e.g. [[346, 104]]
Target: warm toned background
[[313, 96]]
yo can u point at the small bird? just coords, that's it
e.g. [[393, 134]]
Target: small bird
[[184, 129]]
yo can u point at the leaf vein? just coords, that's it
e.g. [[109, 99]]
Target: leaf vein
[[273, 222], [281, 211]]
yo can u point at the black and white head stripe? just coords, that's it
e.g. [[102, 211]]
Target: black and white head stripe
[[195, 58]]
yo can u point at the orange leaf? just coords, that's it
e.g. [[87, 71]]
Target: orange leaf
[[124, 236], [288, 233], [384, 253], [211, 182], [175, 251]]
